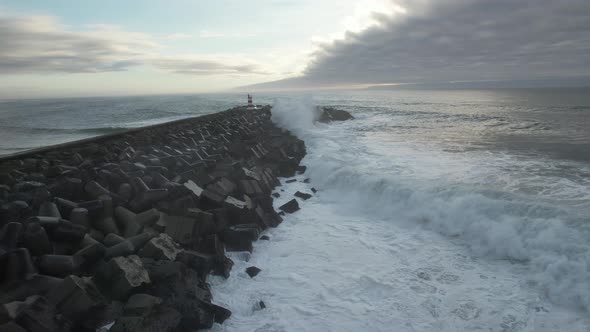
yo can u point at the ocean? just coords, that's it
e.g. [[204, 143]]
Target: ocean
[[454, 210]]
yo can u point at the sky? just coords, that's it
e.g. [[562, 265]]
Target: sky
[[108, 47]]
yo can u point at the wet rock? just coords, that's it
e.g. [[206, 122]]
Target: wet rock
[[194, 188], [127, 221], [220, 313], [301, 169], [253, 271], [49, 209], [144, 312], [18, 265], [128, 247], [329, 114], [144, 196], [291, 181], [41, 316], [121, 275], [105, 222], [10, 235], [96, 234], [206, 222], [88, 240], [290, 207], [11, 327], [183, 230], [77, 298], [28, 186], [148, 217], [79, 216], [240, 237], [202, 263], [36, 240], [88, 255], [125, 191], [95, 190], [276, 195], [314, 190], [13, 211], [159, 270], [264, 237], [57, 265], [112, 239], [67, 187], [65, 231], [19, 290], [65, 206], [211, 244], [304, 196], [161, 247]]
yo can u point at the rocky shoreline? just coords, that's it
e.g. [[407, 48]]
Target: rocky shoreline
[[126, 228]]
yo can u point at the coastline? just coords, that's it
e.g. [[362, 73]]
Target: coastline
[[126, 227]]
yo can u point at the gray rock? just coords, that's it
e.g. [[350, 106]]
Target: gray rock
[[18, 290], [10, 234], [146, 313], [11, 327], [130, 246], [10, 311], [77, 298], [49, 209], [290, 207], [121, 275], [161, 247], [112, 239], [127, 221], [18, 265], [240, 237], [79, 216], [304, 196], [200, 262], [329, 114], [41, 316], [253, 271], [57, 265], [36, 240], [183, 230]]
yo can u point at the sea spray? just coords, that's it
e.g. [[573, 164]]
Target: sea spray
[[296, 114]]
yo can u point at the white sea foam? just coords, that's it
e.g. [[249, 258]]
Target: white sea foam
[[410, 241]]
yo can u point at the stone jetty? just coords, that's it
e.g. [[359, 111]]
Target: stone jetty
[[126, 228]]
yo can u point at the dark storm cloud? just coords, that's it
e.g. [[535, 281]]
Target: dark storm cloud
[[450, 40], [40, 44]]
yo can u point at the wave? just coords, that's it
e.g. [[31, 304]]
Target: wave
[[551, 240]]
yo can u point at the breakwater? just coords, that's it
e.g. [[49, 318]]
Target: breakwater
[[126, 228]]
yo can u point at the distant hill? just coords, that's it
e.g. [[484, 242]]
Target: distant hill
[[305, 83]]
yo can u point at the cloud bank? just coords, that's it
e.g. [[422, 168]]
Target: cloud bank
[[41, 44], [458, 40]]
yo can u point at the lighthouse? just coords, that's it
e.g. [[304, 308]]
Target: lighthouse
[[250, 104]]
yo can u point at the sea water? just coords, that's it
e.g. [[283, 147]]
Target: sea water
[[455, 210]]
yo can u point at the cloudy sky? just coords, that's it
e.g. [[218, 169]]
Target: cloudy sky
[[113, 47]]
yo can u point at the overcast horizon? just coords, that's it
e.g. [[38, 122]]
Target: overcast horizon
[[67, 48]]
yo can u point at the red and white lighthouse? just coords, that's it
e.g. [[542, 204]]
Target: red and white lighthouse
[[250, 104]]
